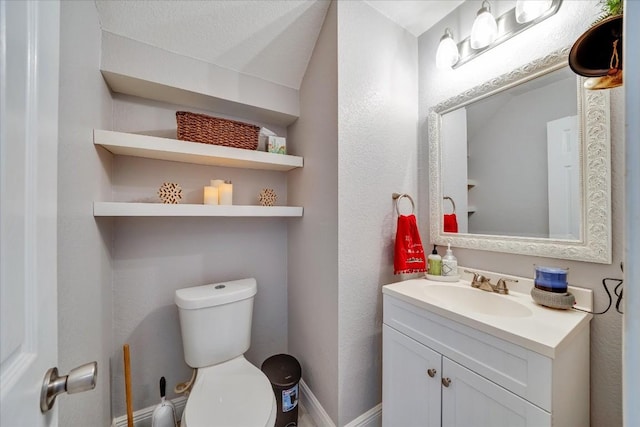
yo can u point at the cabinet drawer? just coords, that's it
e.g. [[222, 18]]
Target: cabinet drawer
[[523, 372]]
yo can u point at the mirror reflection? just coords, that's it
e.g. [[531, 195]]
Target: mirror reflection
[[505, 152], [511, 161]]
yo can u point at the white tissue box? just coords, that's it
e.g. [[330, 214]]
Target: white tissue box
[[277, 144]]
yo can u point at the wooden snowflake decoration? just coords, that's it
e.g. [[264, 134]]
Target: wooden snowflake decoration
[[267, 197], [170, 193]]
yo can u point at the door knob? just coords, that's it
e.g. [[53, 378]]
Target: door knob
[[432, 372], [82, 378], [446, 382]]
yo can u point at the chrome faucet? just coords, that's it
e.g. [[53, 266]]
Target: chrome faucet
[[484, 283]]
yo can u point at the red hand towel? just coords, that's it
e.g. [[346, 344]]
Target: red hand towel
[[409, 254], [450, 223]]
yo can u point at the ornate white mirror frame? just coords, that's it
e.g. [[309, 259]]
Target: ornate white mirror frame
[[594, 245]]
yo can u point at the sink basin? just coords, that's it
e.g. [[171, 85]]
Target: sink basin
[[475, 300]]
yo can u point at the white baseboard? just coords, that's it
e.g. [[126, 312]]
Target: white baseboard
[[313, 407], [371, 418], [142, 417]]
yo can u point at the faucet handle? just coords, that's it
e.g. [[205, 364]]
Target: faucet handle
[[479, 281], [501, 286], [474, 281], [475, 275]]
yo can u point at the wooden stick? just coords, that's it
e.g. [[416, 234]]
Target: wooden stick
[[127, 384]]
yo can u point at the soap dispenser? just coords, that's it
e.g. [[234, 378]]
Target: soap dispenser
[[435, 262], [449, 263]]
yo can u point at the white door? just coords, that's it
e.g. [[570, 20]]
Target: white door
[[410, 382], [563, 160], [29, 61], [471, 400]]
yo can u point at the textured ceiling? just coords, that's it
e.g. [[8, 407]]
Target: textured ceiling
[[417, 16], [270, 39]]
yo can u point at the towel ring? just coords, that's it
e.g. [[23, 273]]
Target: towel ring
[[452, 203], [398, 196]]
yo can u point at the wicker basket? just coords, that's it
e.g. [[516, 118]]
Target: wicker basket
[[213, 130]]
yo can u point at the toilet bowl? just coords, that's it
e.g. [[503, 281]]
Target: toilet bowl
[[231, 394], [215, 321]]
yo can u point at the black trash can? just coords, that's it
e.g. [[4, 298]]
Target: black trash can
[[284, 372]]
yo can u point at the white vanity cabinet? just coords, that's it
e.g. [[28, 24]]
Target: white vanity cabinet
[[453, 396], [441, 372]]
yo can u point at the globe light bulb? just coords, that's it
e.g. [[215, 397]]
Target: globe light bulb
[[528, 10], [447, 54], [485, 28]]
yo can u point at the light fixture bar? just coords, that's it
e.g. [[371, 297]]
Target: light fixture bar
[[508, 27]]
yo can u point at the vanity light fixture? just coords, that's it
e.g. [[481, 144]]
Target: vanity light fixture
[[447, 53], [488, 32], [485, 28], [528, 10]]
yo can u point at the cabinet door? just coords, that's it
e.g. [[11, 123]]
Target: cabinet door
[[410, 395], [472, 400]]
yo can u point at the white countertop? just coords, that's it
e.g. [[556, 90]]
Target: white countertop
[[543, 331]]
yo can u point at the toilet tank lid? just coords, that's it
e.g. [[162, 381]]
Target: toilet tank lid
[[215, 294]]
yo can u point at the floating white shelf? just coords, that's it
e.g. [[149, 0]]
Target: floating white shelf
[[165, 210], [153, 147]]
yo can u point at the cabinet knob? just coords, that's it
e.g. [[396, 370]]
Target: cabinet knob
[[446, 382], [432, 372]]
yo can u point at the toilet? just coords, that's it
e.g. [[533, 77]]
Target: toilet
[[228, 391]]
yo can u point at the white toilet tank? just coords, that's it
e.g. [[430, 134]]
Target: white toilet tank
[[215, 321]]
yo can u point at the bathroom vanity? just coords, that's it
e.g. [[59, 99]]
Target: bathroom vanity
[[458, 356]]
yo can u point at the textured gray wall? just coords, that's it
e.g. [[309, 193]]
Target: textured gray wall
[[313, 239], [377, 122], [358, 134], [561, 30], [84, 261]]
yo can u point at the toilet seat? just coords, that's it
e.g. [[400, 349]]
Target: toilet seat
[[232, 394]]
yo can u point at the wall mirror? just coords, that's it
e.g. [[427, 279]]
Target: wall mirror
[[524, 162]]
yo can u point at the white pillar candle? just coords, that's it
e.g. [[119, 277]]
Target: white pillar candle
[[210, 196], [216, 182], [225, 193]]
